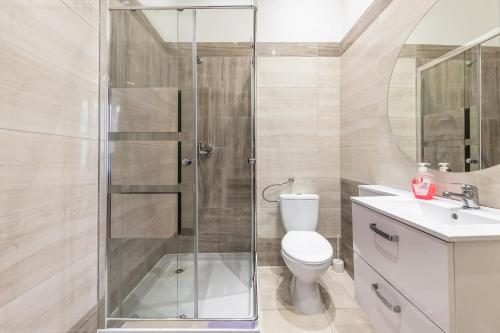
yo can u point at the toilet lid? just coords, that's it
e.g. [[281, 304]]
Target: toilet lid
[[307, 246]]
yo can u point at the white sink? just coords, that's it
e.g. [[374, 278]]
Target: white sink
[[443, 218]]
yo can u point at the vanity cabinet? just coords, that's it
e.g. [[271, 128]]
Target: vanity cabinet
[[409, 281]]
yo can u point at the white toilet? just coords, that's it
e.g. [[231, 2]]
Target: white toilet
[[306, 253]]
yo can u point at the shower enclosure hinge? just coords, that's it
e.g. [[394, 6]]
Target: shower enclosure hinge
[[252, 161]]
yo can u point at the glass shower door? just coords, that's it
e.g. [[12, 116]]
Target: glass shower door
[[151, 247], [181, 214], [225, 53]]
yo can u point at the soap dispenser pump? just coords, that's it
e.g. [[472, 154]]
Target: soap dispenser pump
[[423, 185], [444, 167]]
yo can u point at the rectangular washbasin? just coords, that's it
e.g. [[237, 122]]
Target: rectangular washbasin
[[443, 218]]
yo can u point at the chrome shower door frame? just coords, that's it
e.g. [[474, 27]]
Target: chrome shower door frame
[[104, 177]]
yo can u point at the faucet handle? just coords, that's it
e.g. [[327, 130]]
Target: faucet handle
[[468, 189]]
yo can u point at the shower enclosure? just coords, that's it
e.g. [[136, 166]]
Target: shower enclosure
[[178, 141]]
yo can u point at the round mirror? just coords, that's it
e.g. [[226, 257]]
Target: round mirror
[[444, 93]]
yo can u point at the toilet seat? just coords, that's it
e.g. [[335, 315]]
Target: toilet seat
[[307, 247]]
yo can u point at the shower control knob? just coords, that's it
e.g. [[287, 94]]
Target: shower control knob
[[186, 162]]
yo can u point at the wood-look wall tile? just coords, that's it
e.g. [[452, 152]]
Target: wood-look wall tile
[[129, 260], [137, 163], [143, 215], [349, 188], [284, 49], [269, 224], [328, 49], [144, 109], [269, 252], [329, 222], [224, 49]]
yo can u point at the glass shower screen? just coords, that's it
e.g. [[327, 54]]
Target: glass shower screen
[[180, 135]]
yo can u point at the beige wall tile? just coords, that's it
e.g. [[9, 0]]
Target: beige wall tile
[[329, 99], [287, 72], [87, 9], [328, 132], [281, 101], [45, 233], [41, 97], [357, 163], [57, 303], [298, 162], [298, 115], [37, 30], [289, 131], [329, 72], [358, 128], [48, 251]]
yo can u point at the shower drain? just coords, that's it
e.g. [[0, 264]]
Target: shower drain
[[179, 270], [182, 316]]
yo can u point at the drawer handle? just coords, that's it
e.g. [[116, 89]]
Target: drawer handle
[[393, 308], [392, 238]]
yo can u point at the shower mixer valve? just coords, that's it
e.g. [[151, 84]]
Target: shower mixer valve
[[205, 150]]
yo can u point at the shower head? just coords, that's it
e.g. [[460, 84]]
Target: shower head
[[469, 63]]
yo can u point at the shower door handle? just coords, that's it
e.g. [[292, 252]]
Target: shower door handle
[[186, 162]]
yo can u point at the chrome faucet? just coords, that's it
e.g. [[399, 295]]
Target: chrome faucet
[[469, 196]]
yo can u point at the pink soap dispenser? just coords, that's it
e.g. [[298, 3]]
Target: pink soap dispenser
[[423, 185]]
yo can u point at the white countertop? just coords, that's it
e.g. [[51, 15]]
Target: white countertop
[[435, 216], [385, 190]]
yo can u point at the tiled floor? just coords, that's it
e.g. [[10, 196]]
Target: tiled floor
[[341, 312]]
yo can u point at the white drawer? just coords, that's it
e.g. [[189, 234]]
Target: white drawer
[[417, 264], [406, 319]]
